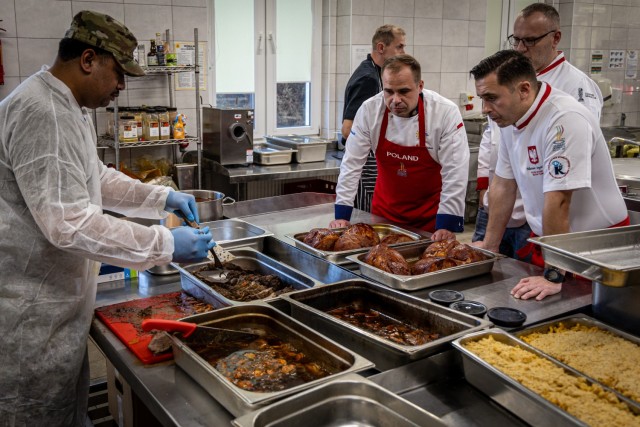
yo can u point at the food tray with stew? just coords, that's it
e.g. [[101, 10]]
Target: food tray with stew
[[412, 253], [601, 352], [234, 233], [610, 256], [249, 277], [340, 257], [349, 400], [246, 375], [388, 327], [499, 364]]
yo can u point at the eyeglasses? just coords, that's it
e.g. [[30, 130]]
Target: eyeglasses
[[528, 42]]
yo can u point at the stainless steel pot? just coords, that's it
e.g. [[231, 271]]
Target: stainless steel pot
[[210, 206]]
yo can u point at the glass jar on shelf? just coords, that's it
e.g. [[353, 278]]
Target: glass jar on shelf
[[151, 126], [127, 129], [165, 124], [136, 112]]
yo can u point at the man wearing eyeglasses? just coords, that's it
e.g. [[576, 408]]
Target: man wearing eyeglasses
[[536, 35]]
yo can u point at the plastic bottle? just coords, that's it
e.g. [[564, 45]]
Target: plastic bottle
[[169, 52], [160, 50], [178, 127]]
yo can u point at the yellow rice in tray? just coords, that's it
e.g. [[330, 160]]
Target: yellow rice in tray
[[612, 360], [589, 403]]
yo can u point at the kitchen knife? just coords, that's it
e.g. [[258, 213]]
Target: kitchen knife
[[195, 331]]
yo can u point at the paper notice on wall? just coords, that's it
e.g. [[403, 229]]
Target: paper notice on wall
[[359, 53], [616, 59], [632, 64], [185, 56]]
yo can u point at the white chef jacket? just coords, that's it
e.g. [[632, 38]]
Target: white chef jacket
[[560, 74], [446, 142], [558, 145], [53, 188]]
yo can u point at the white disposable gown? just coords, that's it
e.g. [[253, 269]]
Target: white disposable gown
[[53, 235]]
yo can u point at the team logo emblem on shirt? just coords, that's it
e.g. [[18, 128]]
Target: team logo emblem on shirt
[[580, 95], [559, 167], [533, 154], [402, 171], [558, 143]]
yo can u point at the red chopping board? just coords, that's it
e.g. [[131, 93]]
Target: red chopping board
[[124, 320]]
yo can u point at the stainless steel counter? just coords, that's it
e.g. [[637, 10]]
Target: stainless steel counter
[[175, 399]]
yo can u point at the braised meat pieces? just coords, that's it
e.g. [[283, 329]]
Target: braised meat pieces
[[437, 256]]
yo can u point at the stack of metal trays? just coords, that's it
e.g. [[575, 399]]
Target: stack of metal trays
[[267, 320], [311, 307], [340, 257], [515, 397], [308, 149], [349, 400], [411, 253], [270, 154], [234, 233]]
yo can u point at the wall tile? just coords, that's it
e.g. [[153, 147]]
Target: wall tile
[[601, 15], [582, 14], [581, 37], [115, 10], [9, 18], [455, 32], [341, 84], [344, 7], [581, 58], [458, 9], [343, 30], [566, 14], [478, 10], [429, 57], [343, 59], [633, 38], [634, 16], [10, 83], [405, 23], [32, 23], [329, 30], [618, 38], [329, 7], [619, 16], [600, 37], [451, 84], [454, 59], [431, 81], [474, 56], [156, 2], [145, 22], [476, 33], [399, 8], [428, 8], [363, 27], [41, 52], [10, 57], [185, 19], [329, 59], [189, 3], [427, 32], [367, 7], [106, 1]]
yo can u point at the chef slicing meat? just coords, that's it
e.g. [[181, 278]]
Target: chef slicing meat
[[421, 150]]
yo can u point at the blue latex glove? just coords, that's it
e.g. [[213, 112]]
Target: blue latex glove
[[186, 203], [191, 244]]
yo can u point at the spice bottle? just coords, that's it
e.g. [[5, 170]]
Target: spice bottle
[[151, 130], [152, 59], [137, 116], [127, 129], [165, 124]]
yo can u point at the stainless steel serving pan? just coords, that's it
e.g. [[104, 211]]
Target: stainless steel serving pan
[[234, 233], [248, 259], [263, 318], [583, 320], [340, 257], [307, 149], [411, 253], [508, 392], [349, 400], [610, 256], [310, 307], [270, 154]]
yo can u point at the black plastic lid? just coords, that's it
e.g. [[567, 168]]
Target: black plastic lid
[[474, 308], [445, 296], [505, 316]]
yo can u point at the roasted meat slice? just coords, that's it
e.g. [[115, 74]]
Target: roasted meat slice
[[387, 259], [392, 238], [432, 263], [357, 236], [440, 249], [466, 254], [321, 238]]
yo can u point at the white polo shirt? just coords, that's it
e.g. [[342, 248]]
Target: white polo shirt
[[558, 145]]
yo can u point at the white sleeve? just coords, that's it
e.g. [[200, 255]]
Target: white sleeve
[[453, 156], [356, 151], [484, 159]]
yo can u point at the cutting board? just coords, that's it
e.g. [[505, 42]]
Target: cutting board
[[124, 320]]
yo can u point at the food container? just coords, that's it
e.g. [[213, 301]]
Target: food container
[[235, 233], [270, 154], [340, 257], [526, 404], [185, 175], [311, 307], [264, 318], [248, 259], [307, 149], [583, 320], [210, 204], [349, 400], [411, 253]]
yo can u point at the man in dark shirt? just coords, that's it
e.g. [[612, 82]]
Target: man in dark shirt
[[365, 82]]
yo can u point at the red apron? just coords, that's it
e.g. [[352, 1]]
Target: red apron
[[535, 251], [409, 182]]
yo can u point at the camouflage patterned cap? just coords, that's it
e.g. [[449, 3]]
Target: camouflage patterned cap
[[102, 31]]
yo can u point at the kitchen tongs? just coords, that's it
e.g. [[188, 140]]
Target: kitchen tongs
[[195, 225]]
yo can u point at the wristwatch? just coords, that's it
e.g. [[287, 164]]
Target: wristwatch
[[553, 275]]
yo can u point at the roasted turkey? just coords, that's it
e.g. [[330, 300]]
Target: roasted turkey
[[466, 254], [322, 239], [440, 249], [396, 238], [387, 259], [357, 236], [431, 263]]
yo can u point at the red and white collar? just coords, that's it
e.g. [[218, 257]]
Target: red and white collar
[[557, 61], [543, 94]]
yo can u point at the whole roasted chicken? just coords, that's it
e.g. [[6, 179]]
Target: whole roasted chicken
[[430, 264], [357, 236], [396, 238], [321, 238], [440, 249], [464, 254], [387, 259]]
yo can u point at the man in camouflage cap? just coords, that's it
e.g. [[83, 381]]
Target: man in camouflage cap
[[102, 31]]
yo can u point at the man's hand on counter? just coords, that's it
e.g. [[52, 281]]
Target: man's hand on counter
[[442, 234], [535, 286], [339, 223]]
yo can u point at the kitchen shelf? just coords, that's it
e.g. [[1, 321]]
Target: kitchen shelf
[[108, 142], [172, 69]]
